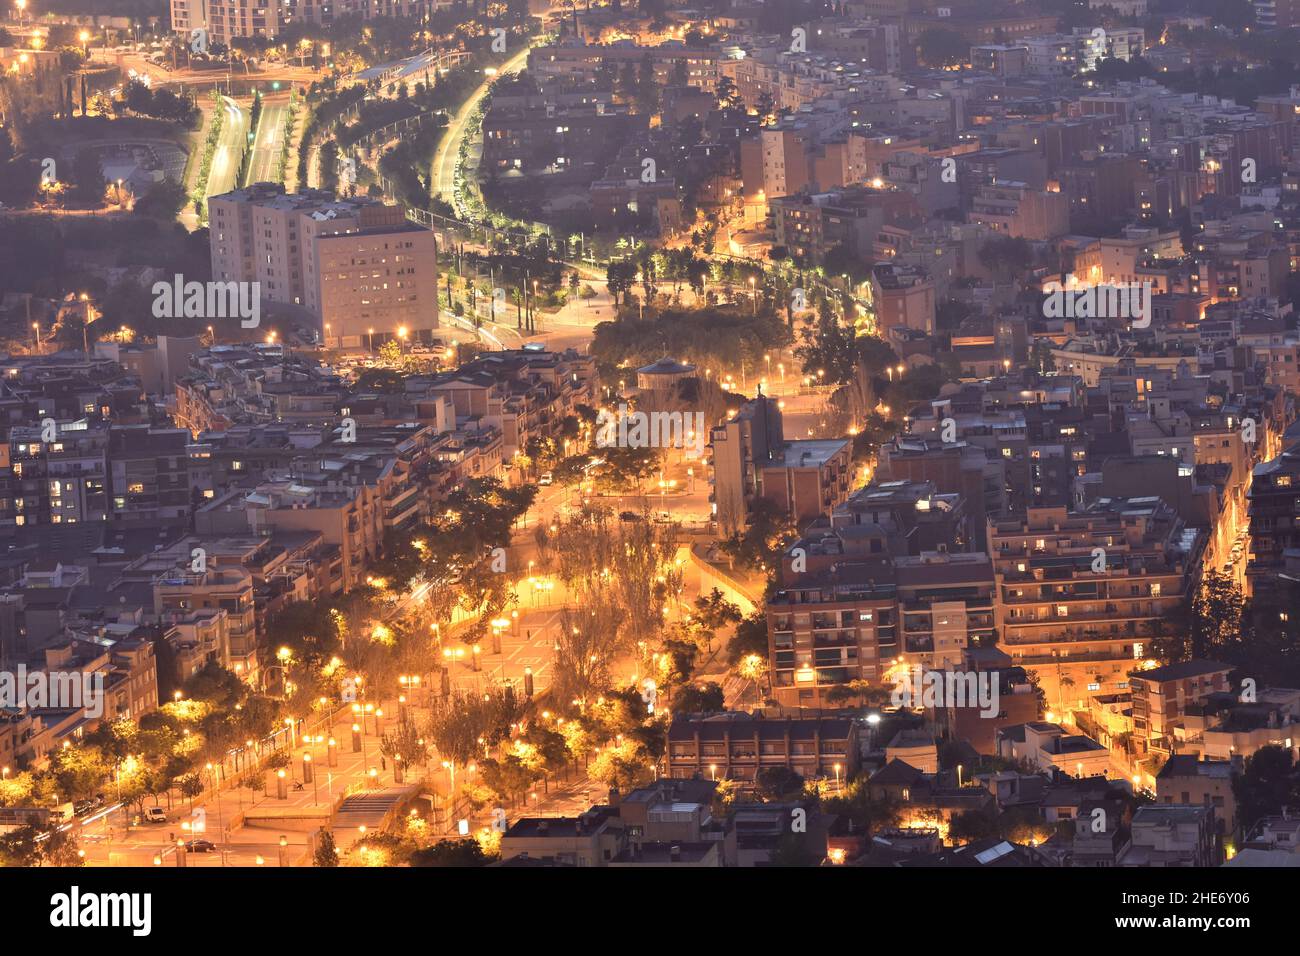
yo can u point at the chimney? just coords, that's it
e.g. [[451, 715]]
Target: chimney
[[675, 854], [614, 796]]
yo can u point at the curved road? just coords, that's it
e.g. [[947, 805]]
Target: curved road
[[223, 175], [445, 156]]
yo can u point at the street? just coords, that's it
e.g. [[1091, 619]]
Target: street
[[268, 142], [224, 173]]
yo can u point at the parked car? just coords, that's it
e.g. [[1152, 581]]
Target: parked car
[[628, 516], [546, 479], [200, 846]]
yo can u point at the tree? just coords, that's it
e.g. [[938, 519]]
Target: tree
[[760, 545], [619, 277], [705, 698], [405, 742], [1006, 257], [728, 96], [779, 783], [385, 381], [795, 849], [582, 665], [1269, 785], [715, 612], [865, 693], [750, 638], [970, 826], [327, 853], [451, 853], [510, 776], [937, 47], [164, 201], [19, 847], [88, 177], [1208, 625]]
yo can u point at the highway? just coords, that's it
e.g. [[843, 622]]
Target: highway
[[224, 174], [267, 143]]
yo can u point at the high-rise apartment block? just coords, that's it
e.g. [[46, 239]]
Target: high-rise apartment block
[[357, 265]]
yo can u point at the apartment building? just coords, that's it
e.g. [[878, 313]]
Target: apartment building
[[149, 474], [227, 20], [811, 225], [804, 478], [1187, 781], [1164, 835], [593, 838], [945, 605], [832, 624], [357, 265], [1082, 594], [1016, 209], [1163, 695], [180, 596], [1064, 54], [574, 61], [60, 482], [1049, 748], [904, 297], [736, 746], [1274, 512], [1224, 727], [256, 384]]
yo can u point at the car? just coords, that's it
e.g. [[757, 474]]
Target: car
[[663, 517], [155, 815], [546, 478], [83, 807], [200, 846], [628, 516]]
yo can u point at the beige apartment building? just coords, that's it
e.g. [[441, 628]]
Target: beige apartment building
[[1081, 595], [179, 595], [364, 272]]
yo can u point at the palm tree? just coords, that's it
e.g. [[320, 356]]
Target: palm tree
[[1062, 682]]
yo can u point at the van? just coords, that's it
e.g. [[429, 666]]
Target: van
[[546, 478], [155, 815]]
